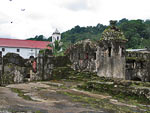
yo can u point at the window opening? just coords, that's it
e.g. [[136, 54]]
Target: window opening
[[18, 50], [109, 51], [3, 49]]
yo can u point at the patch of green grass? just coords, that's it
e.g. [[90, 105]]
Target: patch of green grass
[[21, 94], [99, 103], [38, 112]]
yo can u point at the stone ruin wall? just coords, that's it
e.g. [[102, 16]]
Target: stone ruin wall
[[111, 63], [44, 66], [46, 63], [138, 66], [15, 69], [131, 65], [83, 56]]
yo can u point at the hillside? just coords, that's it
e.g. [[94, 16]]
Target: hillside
[[136, 31]]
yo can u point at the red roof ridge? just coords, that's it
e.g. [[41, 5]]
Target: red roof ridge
[[6, 42]]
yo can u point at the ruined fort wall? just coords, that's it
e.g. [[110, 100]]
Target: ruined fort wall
[[138, 66], [83, 56], [46, 63], [110, 63]]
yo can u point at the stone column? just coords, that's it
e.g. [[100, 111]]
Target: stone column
[[1, 66]]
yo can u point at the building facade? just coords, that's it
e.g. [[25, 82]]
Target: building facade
[[25, 48]]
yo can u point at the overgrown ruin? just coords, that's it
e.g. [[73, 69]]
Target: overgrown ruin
[[106, 57]]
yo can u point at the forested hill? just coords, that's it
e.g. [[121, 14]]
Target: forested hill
[[136, 31]]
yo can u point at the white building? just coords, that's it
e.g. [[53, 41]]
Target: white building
[[56, 36], [24, 48]]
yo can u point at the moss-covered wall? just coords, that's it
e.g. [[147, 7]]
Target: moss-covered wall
[[111, 53], [13, 69], [138, 66], [83, 56], [46, 64]]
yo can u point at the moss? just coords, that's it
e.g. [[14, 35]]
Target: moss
[[7, 79], [38, 112], [98, 103], [21, 94], [61, 73], [112, 33], [119, 92], [136, 59]]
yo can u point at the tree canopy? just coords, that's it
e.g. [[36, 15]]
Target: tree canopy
[[136, 31]]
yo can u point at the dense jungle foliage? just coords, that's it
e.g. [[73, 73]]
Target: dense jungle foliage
[[136, 31]]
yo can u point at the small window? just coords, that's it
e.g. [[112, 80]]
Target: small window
[[57, 38], [109, 51], [18, 50], [3, 49], [94, 56]]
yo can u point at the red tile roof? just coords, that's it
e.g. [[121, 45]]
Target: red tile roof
[[4, 42]]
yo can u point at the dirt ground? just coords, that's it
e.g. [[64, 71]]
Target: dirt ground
[[53, 97]]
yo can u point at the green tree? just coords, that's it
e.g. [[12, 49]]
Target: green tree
[[56, 47]]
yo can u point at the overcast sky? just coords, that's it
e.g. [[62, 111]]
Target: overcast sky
[[23, 19]]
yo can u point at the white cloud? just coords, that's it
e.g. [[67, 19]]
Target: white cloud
[[44, 16]]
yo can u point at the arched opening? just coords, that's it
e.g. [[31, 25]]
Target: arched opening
[[31, 57], [136, 79]]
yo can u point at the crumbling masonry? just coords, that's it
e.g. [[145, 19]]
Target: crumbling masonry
[[108, 57]]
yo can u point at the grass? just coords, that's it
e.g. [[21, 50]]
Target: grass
[[21, 94], [99, 103]]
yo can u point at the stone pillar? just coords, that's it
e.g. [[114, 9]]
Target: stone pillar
[[111, 53], [1, 66]]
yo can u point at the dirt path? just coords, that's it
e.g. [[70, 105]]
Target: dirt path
[[57, 97], [45, 99]]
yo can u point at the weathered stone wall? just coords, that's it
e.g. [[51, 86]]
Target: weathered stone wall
[[111, 59], [138, 66], [106, 57], [46, 63], [83, 56], [44, 66], [14, 69], [111, 53]]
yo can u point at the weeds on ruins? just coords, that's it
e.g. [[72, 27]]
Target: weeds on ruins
[[90, 77]]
